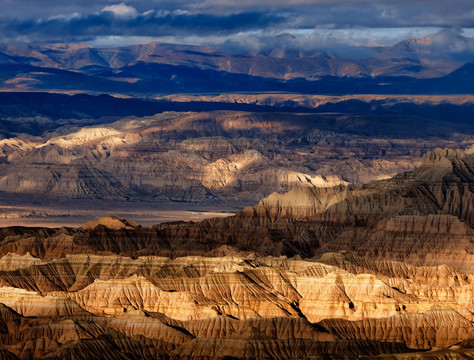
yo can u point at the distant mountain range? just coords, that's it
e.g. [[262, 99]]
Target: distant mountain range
[[166, 68], [412, 57]]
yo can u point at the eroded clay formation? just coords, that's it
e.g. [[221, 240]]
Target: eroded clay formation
[[381, 268]]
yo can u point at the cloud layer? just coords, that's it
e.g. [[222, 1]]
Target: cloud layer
[[126, 21], [339, 21]]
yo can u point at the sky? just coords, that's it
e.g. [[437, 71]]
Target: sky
[[238, 23]]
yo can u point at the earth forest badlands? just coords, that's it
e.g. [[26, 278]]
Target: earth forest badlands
[[221, 180]]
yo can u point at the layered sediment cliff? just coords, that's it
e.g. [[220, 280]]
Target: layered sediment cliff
[[337, 272], [246, 307]]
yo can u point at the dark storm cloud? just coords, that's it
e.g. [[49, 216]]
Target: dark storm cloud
[[128, 23], [63, 20], [349, 13], [383, 14]]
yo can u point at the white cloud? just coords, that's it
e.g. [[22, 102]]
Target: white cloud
[[65, 17], [122, 11]]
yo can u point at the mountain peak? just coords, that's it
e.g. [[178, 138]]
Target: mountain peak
[[111, 222], [440, 157], [285, 36], [443, 165]]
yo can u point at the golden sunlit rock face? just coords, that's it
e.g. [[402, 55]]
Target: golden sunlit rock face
[[230, 305], [334, 273]]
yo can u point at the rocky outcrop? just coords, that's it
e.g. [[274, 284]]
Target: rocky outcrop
[[423, 217], [441, 185], [111, 222], [441, 326]]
